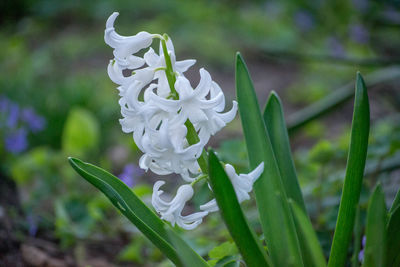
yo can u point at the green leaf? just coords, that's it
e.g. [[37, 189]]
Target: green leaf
[[81, 132], [130, 206], [186, 254], [276, 127], [353, 178], [314, 255], [393, 239], [276, 218], [245, 239], [374, 251]]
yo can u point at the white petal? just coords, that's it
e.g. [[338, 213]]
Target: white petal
[[183, 87], [145, 75], [115, 74], [256, 173], [213, 102], [184, 65], [135, 62], [204, 86], [215, 90], [210, 206], [151, 58], [229, 115]]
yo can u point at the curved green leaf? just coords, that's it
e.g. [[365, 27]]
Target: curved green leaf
[[374, 251], [354, 175], [314, 255], [276, 218], [131, 207], [393, 239], [245, 239]]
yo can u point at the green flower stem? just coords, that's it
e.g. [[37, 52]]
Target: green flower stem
[[192, 136], [201, 177]]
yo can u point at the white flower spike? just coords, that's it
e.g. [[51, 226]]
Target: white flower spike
[[170, 121], [171, 211]]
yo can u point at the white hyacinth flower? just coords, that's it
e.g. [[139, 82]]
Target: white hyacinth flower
[[172, 211], [126, 46], [167, 152], [242, 183], [193, 104], [171, 122]]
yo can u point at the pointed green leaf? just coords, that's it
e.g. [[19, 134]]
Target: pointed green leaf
[[393, 239], [275, 123], [130, 206], [245, 239], [276, 218], [186, 255], [374, 251], [315, 255], [276, 127], [353, 178]]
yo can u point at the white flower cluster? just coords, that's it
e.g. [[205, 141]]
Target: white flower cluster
[[156, 107]]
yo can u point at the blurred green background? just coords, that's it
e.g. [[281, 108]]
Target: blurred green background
[[56, 100]]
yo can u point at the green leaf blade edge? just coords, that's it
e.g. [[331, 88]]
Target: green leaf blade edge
[[354, 176]]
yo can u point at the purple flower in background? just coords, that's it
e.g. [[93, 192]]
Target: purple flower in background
[[130, 172], [13, 115], [392, 15], [35, 122], [16, 141], [32, 224], [361, 254], [359, 33], [336, 47], [304, 20]]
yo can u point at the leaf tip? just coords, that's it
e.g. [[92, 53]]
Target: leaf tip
[[240, 63], [239, 56], [360, 83], [273, 97]]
